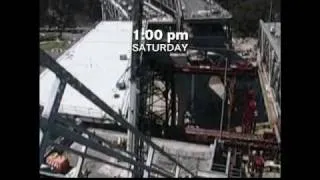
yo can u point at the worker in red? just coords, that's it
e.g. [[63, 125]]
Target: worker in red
[[248, 118], [259, 164], [252, 168]]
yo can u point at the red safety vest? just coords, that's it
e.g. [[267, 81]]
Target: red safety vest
[[259, 161]]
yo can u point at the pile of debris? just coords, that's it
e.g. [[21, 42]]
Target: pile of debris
[[246, 47]]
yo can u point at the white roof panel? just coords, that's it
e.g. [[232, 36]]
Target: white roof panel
[[95, 61]]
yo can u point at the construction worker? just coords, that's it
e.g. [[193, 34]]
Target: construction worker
[[187, 118], [251, 163], [259, 164], [249, 115]]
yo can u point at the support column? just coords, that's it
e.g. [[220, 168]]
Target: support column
[[132, 141], [132, 117]]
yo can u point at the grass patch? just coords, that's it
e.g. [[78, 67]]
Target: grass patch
[[48, 45]]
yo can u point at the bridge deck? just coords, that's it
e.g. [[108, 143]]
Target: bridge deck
[[95, 61]]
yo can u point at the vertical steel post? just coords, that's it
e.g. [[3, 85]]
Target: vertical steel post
[[224, 97], [146, 174], [132, 143]]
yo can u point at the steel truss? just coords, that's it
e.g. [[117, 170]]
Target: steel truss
[[157, 98], [76, 133], [168, 6], [114, 10]]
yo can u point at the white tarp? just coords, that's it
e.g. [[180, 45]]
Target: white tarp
[[95, 61], [217, 86]]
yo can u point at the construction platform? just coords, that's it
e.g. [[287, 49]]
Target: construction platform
[[95, 60]]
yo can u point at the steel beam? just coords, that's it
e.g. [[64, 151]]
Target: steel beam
[[192, 69], [119, 9], [165, 171], [62, 131], [62, 147], [146, 174], [93, 136], [77, 85], [152, 7], [237, 139], [131, 143], [50, 112], [164, 7]]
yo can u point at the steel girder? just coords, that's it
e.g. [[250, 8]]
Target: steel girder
[[67, 77], [93, 136], [65, 132], [49, 112], [114, 9]]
